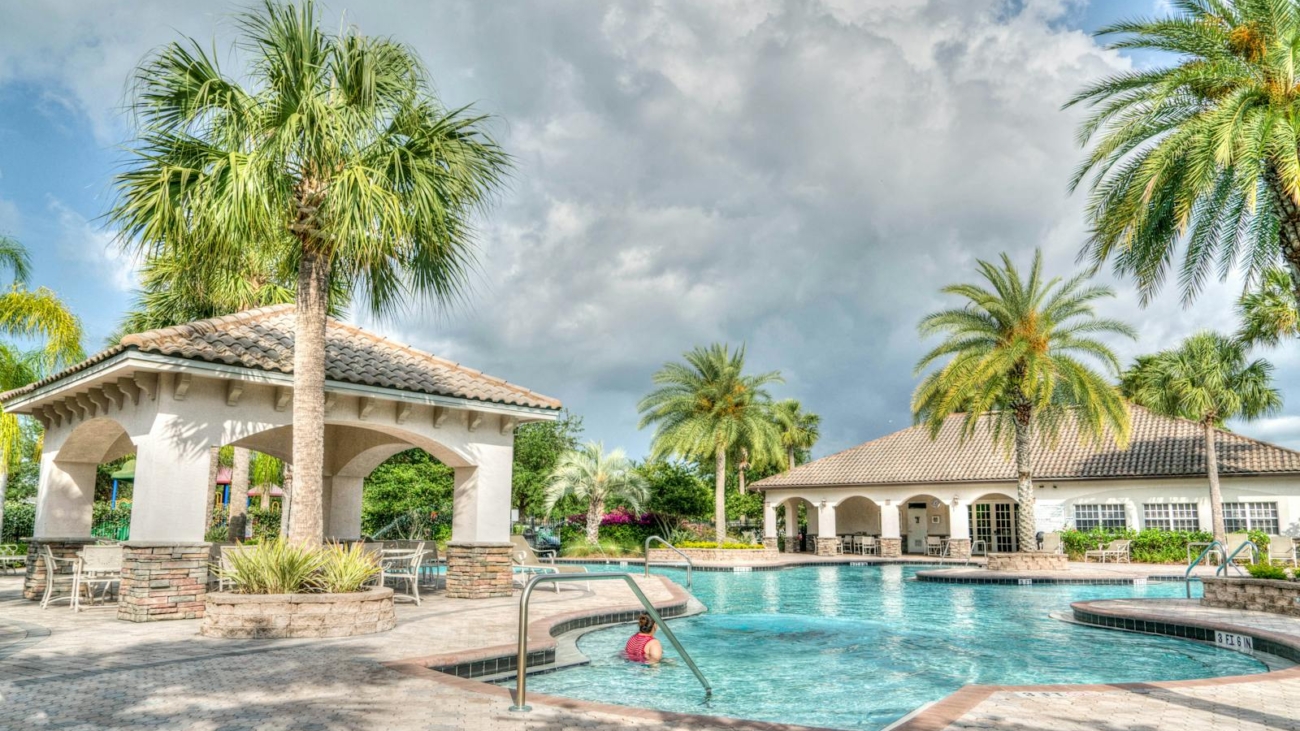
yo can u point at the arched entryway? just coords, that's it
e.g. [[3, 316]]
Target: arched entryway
[[993, 524], [925, 523]]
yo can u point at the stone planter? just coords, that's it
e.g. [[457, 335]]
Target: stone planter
[[248, 616], [1028, 561], [738, 556], [1256, 595]]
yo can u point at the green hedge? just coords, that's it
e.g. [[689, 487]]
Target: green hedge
[[20, 522], [1151, 545], [725, 546]]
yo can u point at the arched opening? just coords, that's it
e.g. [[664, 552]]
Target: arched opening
[[857, 518], [796, 525], [925, 522], [993, 524], [79, 495]]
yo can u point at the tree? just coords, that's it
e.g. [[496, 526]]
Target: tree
[[1015, 353], [1200, 154], [408, 482], [238, 515], [1207, 379], [707, 406], [675, 489], [265, 473], [332, 153], [591, 474], [29, 315], [800, 429], [1268, 312], [538, 448]]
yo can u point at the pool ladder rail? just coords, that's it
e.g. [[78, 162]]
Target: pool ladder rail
[[689, 564], [521, 682], [1228, 559]]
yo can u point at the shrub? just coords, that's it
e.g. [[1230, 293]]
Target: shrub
[[19, 522], [266, 523], [714, 544], [275, 567], [1151, 545], [344, 570], [1260, 539], [1267, 571], [604, 549]]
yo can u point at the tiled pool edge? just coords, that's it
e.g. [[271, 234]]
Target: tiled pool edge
[[949, 710]]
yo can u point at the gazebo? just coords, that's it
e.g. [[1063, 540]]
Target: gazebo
[[168, 395]]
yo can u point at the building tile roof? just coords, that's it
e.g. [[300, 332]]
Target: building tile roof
[[262, 339], [1160, 447]]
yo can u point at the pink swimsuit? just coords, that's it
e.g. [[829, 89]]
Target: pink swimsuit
[[635, 648]]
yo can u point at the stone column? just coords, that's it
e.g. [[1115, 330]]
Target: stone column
[[891, 540], [162, 581], [959, 530], [343, 517], [826, 538], [478, 570], [478, 557], [791, 527], [35, 576], [769, 525]]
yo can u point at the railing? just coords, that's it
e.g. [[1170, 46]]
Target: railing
[[521, 682], [1209, 547], [689, 564], [1229, 561], [977, 542]]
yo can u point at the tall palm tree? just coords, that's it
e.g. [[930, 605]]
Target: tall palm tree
[[1206, 379], [331, 151], [707, 406], [800, 429], [29, 314], [1016, 351], [1200, 154], [266, 473], [599, 477], [1268, 312]]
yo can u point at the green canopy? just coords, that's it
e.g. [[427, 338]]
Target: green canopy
[[126, 473]]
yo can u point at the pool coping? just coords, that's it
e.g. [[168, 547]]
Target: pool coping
[[948, 710]]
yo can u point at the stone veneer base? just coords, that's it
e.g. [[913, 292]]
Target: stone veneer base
[[479, 570], [1254, 595], [828, 546], [281, 616], [715, 555], [34, 576], [891, 547], [162, 581], [1028, 561]]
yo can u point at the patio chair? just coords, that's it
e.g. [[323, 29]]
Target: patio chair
[[429, 564], [1115, 550], [226, 566], [56, 568], [10, 558], [532, 555], [403, 565], [1236, 541], [101, 566], [1052, 543], [526, 562], [1281, 549], [868, 546]]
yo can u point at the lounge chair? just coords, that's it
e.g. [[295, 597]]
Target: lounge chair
[[1281, 549], [1235, 542], [529, 562], [531, 554], [1117, 551], [1052, 543]]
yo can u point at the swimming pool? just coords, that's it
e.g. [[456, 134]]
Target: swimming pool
[[859, 647]]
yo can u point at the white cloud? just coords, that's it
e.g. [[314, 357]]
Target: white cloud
[[92, 249]]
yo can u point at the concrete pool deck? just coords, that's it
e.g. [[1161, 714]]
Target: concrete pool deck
[[89, 671]]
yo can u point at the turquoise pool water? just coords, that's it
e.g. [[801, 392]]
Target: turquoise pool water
[[859, 647]]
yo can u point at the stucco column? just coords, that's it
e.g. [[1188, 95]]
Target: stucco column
[[343, 516], [891, 540], [171, 477], [769, 525], [826, 538], [791, 526], [64, 498], [959, 530], [478, 557]]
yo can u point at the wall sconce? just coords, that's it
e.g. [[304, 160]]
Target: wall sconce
[[956, 500], [823, 505]]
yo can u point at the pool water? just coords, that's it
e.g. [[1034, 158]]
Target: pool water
[[859, 647]]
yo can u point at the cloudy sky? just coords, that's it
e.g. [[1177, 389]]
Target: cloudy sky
[[800, 177]]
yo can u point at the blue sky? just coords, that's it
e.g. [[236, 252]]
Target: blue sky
[[800, 177]]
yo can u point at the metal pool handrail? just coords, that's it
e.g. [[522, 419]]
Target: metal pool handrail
[[1229, 560], [689, 564], [521, 688], [1187, 576], [973, 544]]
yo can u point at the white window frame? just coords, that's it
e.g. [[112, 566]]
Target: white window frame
[[1167, 516], [1104, 513], [1251, 515]]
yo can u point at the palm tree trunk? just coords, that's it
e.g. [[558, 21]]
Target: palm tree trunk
[[595, 512], [265, 503], [1025, 486], [789, 459], [1212, 471], [4, 490], [238, 495], [286, 502], [720, 496], [740, 477], [1288, 213], [306, 522]]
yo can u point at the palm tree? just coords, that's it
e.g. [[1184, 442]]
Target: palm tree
[[589, 473], [706, 407], [1200, 154], [1016, 353], [1268, 312], [800, 429], [1206, 379], [267, 472], [29, 314], [328, 150]]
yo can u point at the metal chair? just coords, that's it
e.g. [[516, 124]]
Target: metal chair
[[933, 546], [429, 565], [59, 567], [403, 565], [1281, 549], [227, 566], [870, 546], [100, 566], [10, 558]]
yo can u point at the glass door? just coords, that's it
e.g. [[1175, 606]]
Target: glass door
[[1004, 528], [981, 522]]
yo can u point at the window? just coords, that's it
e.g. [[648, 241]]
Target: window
[[1171, 516], [1241, 517], [1087, 517]]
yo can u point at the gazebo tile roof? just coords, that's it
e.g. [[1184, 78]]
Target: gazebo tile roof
[[262, 339], [1159, 447]]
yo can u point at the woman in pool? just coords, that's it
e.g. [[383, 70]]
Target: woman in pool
[[642, 646]]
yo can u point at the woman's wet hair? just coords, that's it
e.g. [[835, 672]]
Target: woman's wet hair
[[645, 624]]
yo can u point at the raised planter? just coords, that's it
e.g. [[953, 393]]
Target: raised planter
[[249, 616], [1256, 595], [715, 555], [1028, 561]]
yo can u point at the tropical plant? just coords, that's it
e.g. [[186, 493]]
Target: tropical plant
[[1199, 154], [707, 406], [538, 448], [332, 153], [591, 474], [274, 567], [1206, 379], [29, 314], [1017, 355], [800, 429], [1268, 312], [346, 569], [265, 473]]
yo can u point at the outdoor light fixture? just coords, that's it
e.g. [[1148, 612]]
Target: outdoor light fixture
[[935, 503]]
